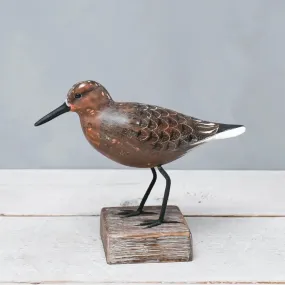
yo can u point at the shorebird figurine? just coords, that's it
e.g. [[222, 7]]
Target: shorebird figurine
[[138, 135]]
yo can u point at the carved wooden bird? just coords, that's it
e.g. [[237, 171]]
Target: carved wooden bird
[[138, 135]]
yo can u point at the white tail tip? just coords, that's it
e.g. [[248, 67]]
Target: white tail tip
[[230, 133]]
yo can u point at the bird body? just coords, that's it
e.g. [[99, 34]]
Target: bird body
[[143, 136], [136, 134]]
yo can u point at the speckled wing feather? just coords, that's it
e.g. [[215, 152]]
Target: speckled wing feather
[[165, 129]]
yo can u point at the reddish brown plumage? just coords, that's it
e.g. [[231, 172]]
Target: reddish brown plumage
[[135, 134]]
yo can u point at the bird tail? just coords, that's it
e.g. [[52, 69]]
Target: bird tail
[[229, 131]]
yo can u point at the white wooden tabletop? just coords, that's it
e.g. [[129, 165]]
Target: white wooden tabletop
[[49, 226]]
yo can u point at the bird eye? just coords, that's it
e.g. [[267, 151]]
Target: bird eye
[[77, 96]]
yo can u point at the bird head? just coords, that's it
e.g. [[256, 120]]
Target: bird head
[[82, 96]]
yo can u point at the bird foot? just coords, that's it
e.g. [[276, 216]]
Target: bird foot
[[154, 223], [131, 213]]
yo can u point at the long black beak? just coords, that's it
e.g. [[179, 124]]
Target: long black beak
[[52, 115]]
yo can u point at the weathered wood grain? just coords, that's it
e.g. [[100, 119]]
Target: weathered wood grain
[[126, 242], [86, 192]]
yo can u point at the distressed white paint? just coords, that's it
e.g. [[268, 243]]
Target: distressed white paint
[[57, 249], [85, 192]]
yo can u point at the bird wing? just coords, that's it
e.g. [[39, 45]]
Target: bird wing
[[165, 129]]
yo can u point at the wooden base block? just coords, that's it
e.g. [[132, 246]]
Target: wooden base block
[[126, 242]]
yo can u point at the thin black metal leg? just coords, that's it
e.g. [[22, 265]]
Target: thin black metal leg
[[166, 193], [140, 208], [139, 211], [154, 223]]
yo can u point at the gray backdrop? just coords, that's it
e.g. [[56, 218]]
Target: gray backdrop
[[216, 60]]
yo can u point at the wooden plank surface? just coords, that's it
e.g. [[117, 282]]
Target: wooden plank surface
[[139, 283], [86, 192], [69, 249]]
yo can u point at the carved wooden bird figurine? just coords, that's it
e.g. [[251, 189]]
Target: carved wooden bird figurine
[[138, 135]]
